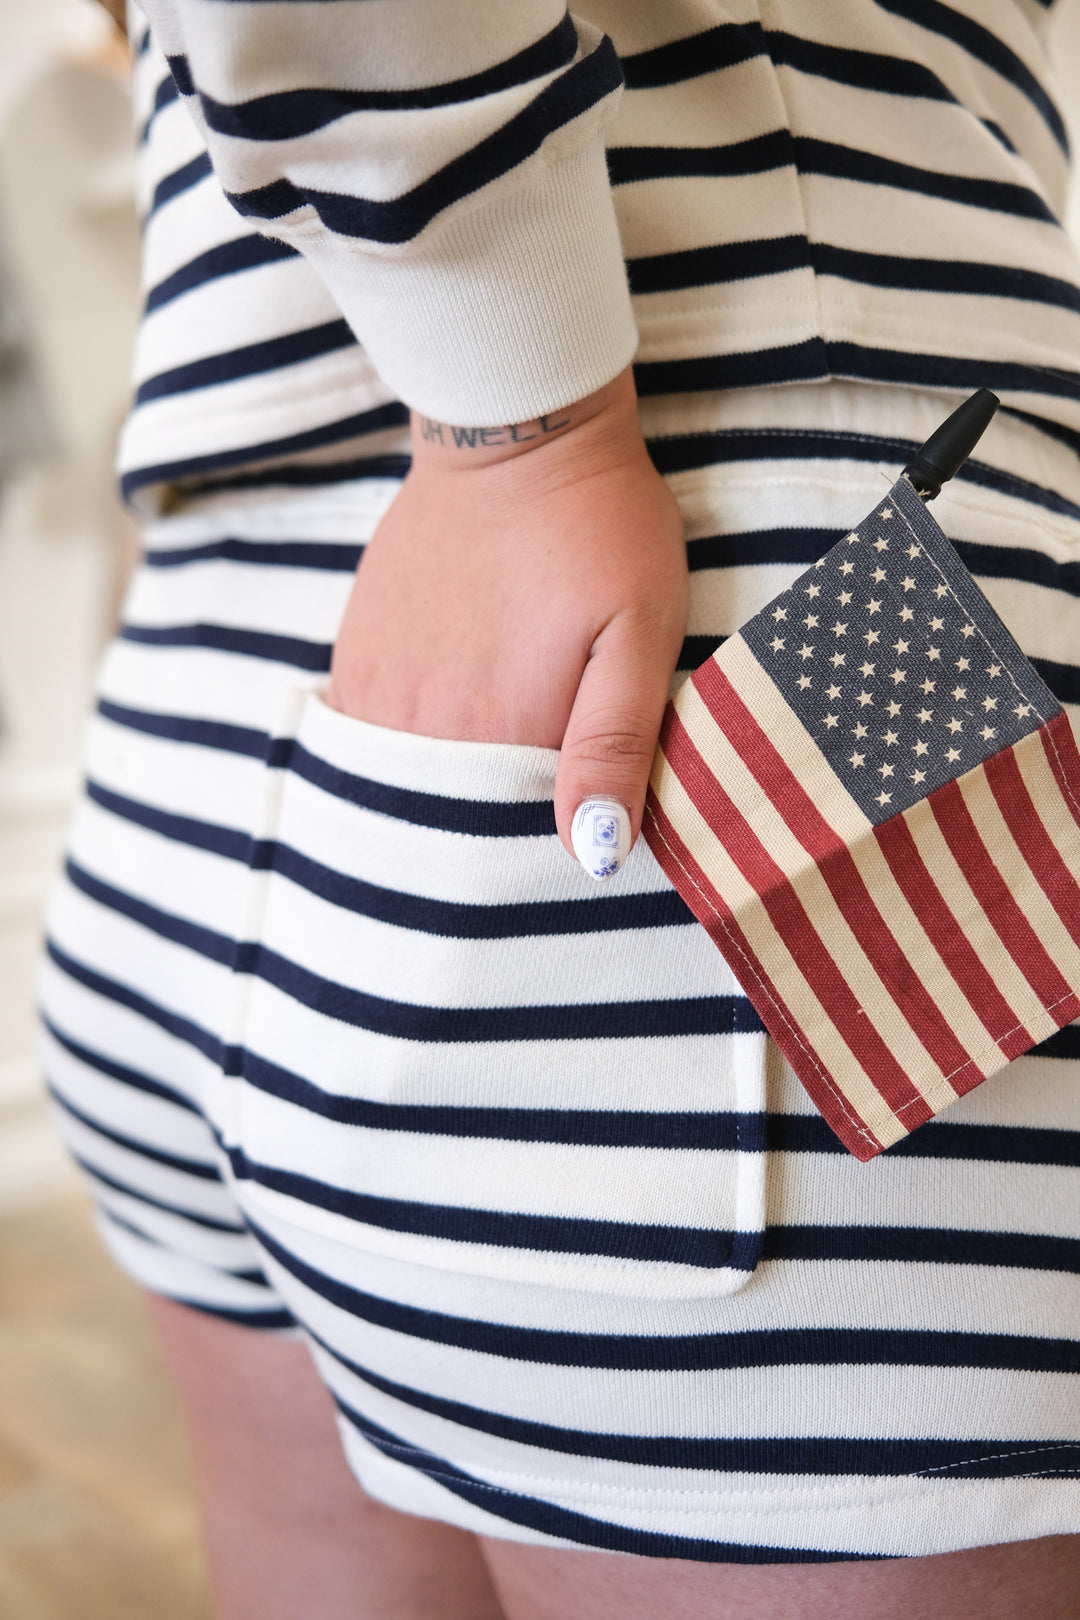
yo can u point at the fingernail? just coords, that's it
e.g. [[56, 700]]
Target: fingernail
[[600, 834]]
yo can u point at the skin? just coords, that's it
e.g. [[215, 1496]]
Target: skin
[[289, 1532], [544, 566], [547, 571]]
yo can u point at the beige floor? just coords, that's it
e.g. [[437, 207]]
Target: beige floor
[[96, 1516]]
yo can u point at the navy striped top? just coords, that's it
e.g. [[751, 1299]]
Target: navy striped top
[[486, 212]]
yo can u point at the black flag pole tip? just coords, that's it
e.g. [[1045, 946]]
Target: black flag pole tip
[[946, 450]]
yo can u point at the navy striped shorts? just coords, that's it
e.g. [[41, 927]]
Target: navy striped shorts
[[349, 1048]]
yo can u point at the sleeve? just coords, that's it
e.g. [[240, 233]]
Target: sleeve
[[441, 164]]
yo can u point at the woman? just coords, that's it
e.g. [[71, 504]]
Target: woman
[[350, 1051]]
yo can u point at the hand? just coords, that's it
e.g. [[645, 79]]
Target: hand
[[528, 585]]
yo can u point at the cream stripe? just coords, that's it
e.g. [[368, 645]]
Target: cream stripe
[[792, 741], [1056, 815], [826, 916], [970, 916], [905, 925], [819, 1034], [1010, 862]]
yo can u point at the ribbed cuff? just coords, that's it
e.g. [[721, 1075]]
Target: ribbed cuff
[[511, 309]]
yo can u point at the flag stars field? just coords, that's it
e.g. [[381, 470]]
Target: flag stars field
[[925, 617]]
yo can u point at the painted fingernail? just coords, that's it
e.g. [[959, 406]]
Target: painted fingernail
[[600, 834]]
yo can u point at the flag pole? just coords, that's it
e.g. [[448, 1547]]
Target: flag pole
[[949, 446]]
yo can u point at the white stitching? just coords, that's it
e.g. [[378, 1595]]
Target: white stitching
[[970, 1462]]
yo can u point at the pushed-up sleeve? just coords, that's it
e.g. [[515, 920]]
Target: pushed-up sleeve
[[441, 164]]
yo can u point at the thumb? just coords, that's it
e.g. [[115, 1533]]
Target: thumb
[[610, 740]]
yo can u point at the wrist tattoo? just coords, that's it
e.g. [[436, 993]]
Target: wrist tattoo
[[489, 438]]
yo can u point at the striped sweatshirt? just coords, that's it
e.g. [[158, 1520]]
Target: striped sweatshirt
[[485, 212]]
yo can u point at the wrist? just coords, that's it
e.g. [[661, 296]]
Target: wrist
[[604, 421]]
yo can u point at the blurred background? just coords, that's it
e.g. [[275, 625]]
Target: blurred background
[[96, 1516]]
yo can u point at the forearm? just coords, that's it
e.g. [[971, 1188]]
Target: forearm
[[442, 168]]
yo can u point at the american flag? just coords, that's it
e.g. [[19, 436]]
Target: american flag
[[871, 801]]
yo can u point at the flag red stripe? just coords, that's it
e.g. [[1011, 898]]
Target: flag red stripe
[[900, 976], [1059, 745], [947, 937], [1012, 927], [677, 863], [1032, 839], [792, 923]]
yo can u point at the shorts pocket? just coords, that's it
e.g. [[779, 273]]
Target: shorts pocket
[[451, 1046]]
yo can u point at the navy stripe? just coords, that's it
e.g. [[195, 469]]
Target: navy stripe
[[814, 360], [697, 1015], [695, 650], [311, 475], [999, 134], [865, 70], [181, 728], [923, 1245], [987, 48], [192, 936], [224, 841], [944, 371], [172, 1023], [166, 93], [313, 656], [569, 1127], [849, 163], [944, 275], [780, 149], [568, 1525], [441, 918], [132, 1144], [251, 360], [226, 259], [753, 1454], [1062, 679], [783, 1133], [711, 51], [182, 179], [735, 261], [582, 86], [127, 1223], [766, 547], [317, 554], [394, 414], [118, 1071], [723, 1351], [98, 1175], [763, 152], [549, 1234], [292, 113], [481, 818], [1015, 562], [577, 1021], [181, 72], [1064, 1044], [792, 362], [938, 1139], [727, 261], [451, 919], [760, 548], [682, 452]]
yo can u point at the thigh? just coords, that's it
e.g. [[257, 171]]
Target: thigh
[[288, 1529], [1027, 1580]]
